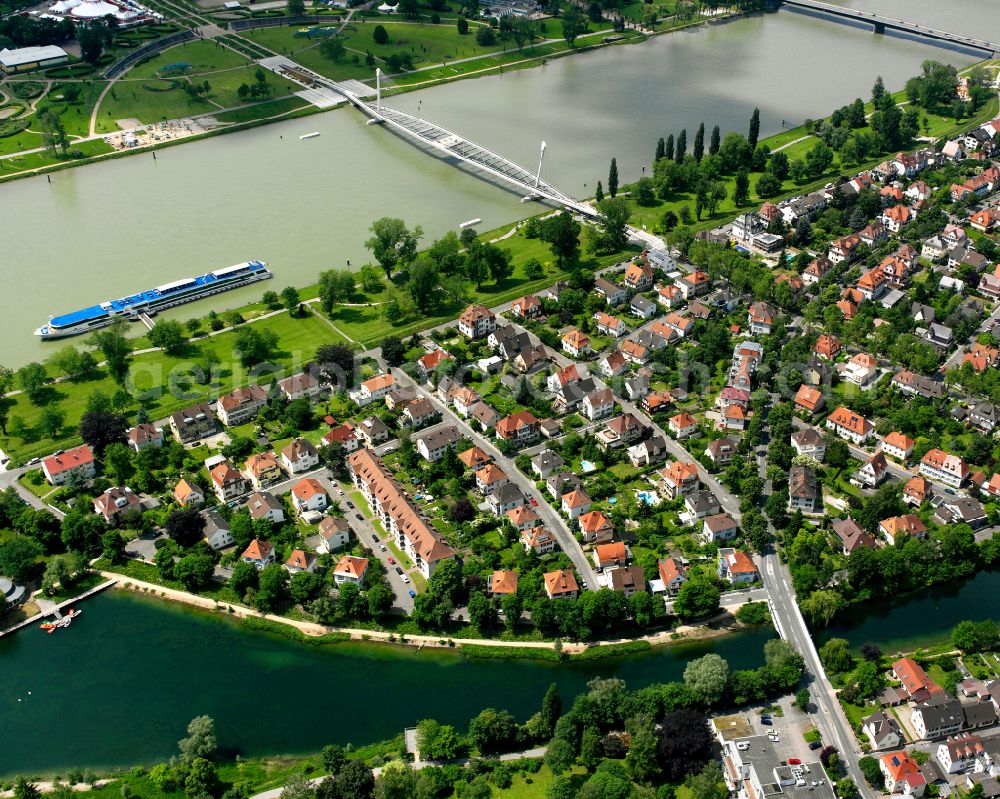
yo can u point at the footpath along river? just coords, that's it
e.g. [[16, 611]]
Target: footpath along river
[[120, 685], [102, 231]]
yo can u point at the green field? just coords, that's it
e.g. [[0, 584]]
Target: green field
[[366, 325], [19, 163], [267, 110], [136, 95], [163, 382]]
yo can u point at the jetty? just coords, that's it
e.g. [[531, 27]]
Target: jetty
[[56, 610]]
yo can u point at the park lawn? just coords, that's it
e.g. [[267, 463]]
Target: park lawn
[[366, 324], [75, 117], [203, 56], [511, 57], [625, 471], [225, 71], [25, 140], [21, 163], [152, 373], [36, 483], [426, 43], [637, 11], [535, 786], [265, 110], [136, 101]]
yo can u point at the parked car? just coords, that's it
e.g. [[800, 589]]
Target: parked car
[[406, 579], [359, 517], [412, 593], [534, 502], [375, 538], [794, 761], [382, 547], [399, 571], [816, 745], [392, 559], [350, 504]]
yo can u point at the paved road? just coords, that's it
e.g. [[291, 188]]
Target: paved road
[[12, 477], [553, 521], [734, 599]]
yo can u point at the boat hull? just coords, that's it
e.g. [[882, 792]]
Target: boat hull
[[49, 333]]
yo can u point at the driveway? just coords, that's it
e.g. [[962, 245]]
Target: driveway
[[144, 547]]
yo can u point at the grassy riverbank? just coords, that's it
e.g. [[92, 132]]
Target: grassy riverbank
[[795, 143], [143, 578], [151, 94], [210, 365]]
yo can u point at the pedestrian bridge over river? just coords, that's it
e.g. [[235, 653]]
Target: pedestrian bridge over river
[[325, 93]]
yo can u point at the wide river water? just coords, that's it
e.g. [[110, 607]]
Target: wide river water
[[105, 230], [119, 687]]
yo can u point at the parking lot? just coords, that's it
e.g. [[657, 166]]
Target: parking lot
[[367, 534], [789, 728]]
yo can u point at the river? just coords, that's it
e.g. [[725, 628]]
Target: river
[[103, 230], [119, 687], [921, 619]]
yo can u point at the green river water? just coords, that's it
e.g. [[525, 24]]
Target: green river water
[[120, 685]]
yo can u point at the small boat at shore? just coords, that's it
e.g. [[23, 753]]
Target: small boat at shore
[[312, 135], [64, 621]]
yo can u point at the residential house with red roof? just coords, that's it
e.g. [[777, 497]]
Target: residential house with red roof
[[827, 346], [188, 495], [736, 567], [610, 325], [560, 584], [808, 399], [519, 428], [538, 539], [673, 575], [227, 482], [145, 435], [898, 445], [683, 425], [300, 561], [679, 479], [501, 583], [390, 503], [849, 426], [263, 469], [259, 553], [575, 503], [300, 386], [350, 569], [73, 465], [477, 321], [944, 468], [527, 307], [309, 495], [241, 405], [896, 526], [576, 343], [638, 277], [595, 526], [117, 502], [902, 774]]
